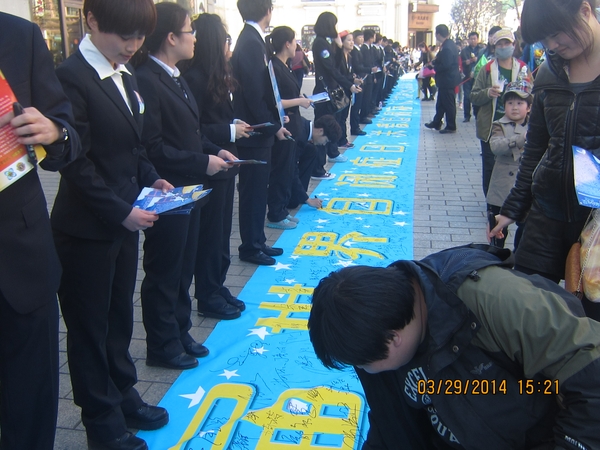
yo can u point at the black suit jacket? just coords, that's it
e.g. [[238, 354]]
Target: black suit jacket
[[253, 101], [29, 266], [97, 189], [367, 56], [358, 64], [171, 134], [325, 67], [447, 74], [215, 118]]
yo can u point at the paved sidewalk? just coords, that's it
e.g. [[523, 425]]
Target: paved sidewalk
[[449, 211]]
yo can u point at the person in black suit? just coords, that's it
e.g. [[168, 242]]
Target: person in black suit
[[447, 77], [362, 72], [345, 65], [96, 228], [327, 75], [211, 83], [281, 46], [369, 62], [254, 103], [30, 267], [175, 146]]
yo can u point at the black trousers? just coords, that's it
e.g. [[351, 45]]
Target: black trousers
[[467, 88], [446, 105], [342, 120], [96, 295], [283, 159], [213, 255], [367, 104], [254, 180], [166, 304], [487, 165], [28, 376], [306, 157], [355, 112]]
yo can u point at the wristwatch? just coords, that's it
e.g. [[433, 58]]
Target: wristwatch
[[64, 137]]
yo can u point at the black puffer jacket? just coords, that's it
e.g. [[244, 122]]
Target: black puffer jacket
[[559, 120]]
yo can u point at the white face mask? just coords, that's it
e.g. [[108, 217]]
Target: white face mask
[[504, 52]]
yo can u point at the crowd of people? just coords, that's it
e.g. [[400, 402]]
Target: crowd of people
[[487, 349]]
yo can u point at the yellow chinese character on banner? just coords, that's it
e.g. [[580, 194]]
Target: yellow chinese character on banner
[[367, 181], [376, 162], [325, 243], [286, 319], [382, 148], [300, 417], [359, 206], [387, 133]]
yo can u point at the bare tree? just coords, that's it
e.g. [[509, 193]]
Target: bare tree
[[476, 15]]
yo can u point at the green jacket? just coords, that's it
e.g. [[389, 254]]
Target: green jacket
[[479, 95]]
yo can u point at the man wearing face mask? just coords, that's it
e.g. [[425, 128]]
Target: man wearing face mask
[[488, 90]]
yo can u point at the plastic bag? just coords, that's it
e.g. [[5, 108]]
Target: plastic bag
[[590, 258]]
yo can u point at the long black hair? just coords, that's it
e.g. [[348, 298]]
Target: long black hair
[[325, 25], [209, 56], [170, 18]]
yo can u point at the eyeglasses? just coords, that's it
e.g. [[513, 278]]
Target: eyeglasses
[[192, 32]]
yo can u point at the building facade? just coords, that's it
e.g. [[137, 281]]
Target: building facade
[[407, 21]]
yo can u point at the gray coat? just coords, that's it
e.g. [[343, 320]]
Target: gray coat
[[507, 142]]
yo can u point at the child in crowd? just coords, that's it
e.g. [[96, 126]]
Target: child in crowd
[[507, 142]]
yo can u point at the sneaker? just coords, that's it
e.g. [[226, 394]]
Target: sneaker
[[282, 225], [293, 219], [325, 176], [339, 158]]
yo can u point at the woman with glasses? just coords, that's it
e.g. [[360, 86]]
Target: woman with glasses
[[211, 82], [564, 113], [179, 151]]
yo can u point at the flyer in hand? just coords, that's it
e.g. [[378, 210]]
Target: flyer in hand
[[587, 177], [155, 200], [14, 163]]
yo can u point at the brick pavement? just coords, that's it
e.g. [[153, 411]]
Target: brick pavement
[[449, 211]]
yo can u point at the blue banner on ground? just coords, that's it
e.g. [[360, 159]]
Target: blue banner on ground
[[262, 387]]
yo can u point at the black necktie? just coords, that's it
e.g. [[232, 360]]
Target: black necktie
[[178, 81]]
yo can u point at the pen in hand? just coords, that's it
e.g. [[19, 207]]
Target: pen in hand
[[311, 103], [31, 156]]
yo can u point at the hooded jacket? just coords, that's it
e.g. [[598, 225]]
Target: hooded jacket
[[498, 344], [560, 118]]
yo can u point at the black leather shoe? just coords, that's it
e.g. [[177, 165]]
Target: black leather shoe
[[229, 298], [259, 258], [126, 442], [196, 350], [218, 309], [366, 121], [272, 251], [466, 119], [358, 133], [447, 131], [147, 417], [433, 126], [180, 362]]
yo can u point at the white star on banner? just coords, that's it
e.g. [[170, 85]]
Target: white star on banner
[[260, 332], [358, 218], [399, 213], [400, 224], [290, 280], [195, 397], [294, 257], [261, 350], [319, 226], [322, 220], [345, 263], [281, 266], [364, 195], [322, 194], [349, 243], [366, 226], [391, 172], [229, 373]]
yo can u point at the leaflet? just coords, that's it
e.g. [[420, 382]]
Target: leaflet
[[155, 200]]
